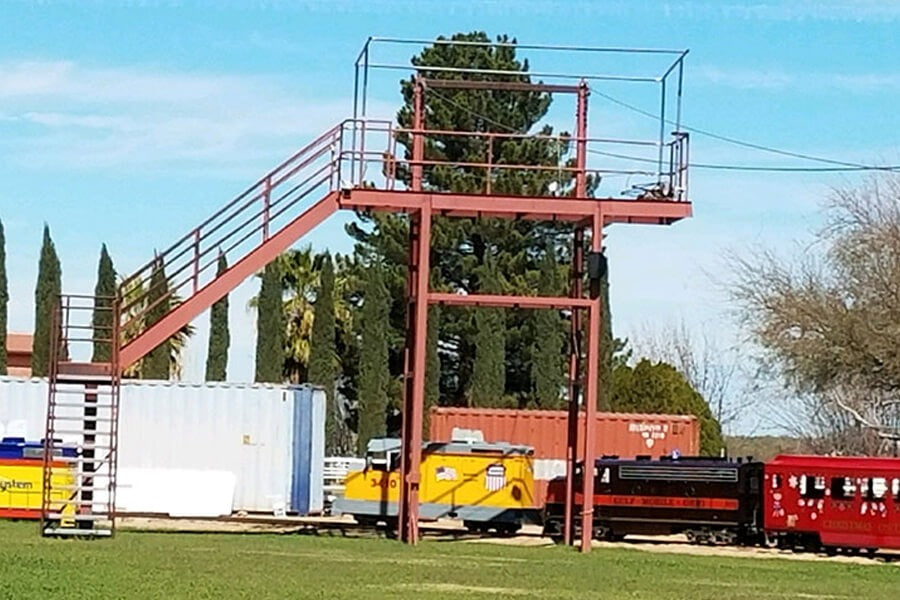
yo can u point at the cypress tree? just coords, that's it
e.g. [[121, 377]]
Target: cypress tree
[[4, 301], [489, 372], [432, 366], [270, 327], [46, 299], [102, 321], [322, 352], [157, 362], [547, 363], [607, 347], [374, 375], [219, 337]]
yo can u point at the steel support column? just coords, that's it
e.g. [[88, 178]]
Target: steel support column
[[417, 326], [414, 398], [574, 384], [590, 402], [592, 388]]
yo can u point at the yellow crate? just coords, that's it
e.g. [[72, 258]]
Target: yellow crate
[[21, 488]]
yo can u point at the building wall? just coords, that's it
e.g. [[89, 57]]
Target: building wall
[[18, 351]]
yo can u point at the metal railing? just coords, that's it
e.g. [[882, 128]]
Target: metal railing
[[372, 153]]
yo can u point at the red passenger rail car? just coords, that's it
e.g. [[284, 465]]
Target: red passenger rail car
[[802, 503], [833, 503]]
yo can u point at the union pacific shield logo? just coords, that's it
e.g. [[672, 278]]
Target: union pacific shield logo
[[495, 478]]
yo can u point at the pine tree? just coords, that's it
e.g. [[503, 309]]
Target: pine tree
[[219, 337], [374, 374], [104, 296], [460, 245], [270, 327], [156, 365], [4, 302], [547, 357], [322, 353], [489, 373], [46, 300]]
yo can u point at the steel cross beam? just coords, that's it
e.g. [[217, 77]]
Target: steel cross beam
[[573, 210]]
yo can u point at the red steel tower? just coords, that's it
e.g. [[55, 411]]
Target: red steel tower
[[333, 173]]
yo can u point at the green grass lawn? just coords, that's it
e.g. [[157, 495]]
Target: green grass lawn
[[258, 566]]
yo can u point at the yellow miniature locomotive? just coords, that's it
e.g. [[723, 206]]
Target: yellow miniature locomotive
[[487, 486]]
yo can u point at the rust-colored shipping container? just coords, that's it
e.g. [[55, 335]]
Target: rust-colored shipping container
[[624, 434]]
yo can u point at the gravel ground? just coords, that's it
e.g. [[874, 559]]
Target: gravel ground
[[530, 536]]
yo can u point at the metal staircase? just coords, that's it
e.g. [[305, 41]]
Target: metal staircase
[[80, 443], [81, 439]]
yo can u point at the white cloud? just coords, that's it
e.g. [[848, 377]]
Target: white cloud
[[65, 114], [776, 80], [743, 79]]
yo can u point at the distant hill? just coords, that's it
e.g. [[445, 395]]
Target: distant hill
[[764, 447]]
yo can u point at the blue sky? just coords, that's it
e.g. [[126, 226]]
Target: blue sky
[[128, 122]]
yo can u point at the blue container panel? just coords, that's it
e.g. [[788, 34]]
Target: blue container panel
[[303, 424]]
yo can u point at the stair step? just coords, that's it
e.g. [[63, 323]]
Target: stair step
[[82, 432], [80, 488], [93, 446], [81, 506], [83, 418], [80, 460], [98, 517], [66, 367], [75, 500], [73, 531], [97, 380], [79, 389]]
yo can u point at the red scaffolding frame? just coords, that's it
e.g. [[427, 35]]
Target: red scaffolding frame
[[589, 215], [333, 171]]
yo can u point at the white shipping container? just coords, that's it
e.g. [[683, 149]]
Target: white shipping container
[[270, 438]]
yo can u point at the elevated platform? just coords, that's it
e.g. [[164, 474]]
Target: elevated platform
[[572, 210]]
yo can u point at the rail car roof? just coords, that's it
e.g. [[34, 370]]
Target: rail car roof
[[684, 461], [834, 462], [393, 444]]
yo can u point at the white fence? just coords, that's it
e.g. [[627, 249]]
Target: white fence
[[334, 473]]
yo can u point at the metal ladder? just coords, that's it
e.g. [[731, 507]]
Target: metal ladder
[[80, 443]]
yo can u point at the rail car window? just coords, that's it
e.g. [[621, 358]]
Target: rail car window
[[843, 488], [812, 486], [874, 488]]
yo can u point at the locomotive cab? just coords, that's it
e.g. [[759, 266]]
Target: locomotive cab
[[710, 500]]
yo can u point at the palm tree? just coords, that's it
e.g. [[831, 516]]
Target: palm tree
[[300, 280], [134, 296]]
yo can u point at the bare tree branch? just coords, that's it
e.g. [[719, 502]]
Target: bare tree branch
[[709, 366], [829, 321]]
